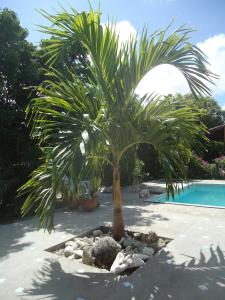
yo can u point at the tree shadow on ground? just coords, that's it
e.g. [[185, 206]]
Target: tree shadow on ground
[[133, 215], [159, 279], [17, 236], [11, 237]]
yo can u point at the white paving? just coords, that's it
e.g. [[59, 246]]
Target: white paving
[[193, 268]]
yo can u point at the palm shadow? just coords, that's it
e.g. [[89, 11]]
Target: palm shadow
[[12, 235], [66, 222], [160, 278]]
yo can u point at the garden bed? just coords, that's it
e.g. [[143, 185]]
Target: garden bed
[[97, 248]]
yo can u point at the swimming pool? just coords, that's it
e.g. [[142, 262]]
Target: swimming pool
[[211, 195]]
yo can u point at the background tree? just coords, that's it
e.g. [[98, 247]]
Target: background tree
[[151, 163], [18, 69], [75, 55], [212, 116], [106, 108], [22, 68]]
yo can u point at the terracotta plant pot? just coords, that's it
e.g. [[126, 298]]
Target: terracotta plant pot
[[72, 202], [89, 204]]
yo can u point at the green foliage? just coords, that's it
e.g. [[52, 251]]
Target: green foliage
[[102, 116], [151, 164], [131, 170], [214, 149], [21, 69], [213, 114], [18, 158], [18, 68], [75, 55], [220, 162], [200, 169]]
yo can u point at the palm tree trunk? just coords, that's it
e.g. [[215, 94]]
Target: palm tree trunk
[[118, 225]]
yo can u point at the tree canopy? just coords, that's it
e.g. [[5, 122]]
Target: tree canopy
[[101, 117], [18, 67], [19, 72], [213, 114]]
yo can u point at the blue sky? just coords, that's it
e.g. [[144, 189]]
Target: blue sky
[[207, 17]]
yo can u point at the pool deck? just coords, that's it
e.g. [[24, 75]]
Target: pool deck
[[191, 268]]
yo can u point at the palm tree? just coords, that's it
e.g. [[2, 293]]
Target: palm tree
[[101, 117]]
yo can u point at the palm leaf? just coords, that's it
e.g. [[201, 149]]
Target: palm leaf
[[105, 105]]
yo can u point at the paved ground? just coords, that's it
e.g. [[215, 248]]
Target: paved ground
[[192, 268]]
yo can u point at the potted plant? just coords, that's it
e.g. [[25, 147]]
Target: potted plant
[[71, 201], [88, 199], [69, 195]]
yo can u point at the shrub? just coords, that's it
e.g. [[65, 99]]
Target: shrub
[[151, 168], [201, 169]]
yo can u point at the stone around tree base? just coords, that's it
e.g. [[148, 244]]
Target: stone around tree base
[[98, 248], [87, 257]]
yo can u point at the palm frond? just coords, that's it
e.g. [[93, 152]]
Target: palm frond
[[105, 108]]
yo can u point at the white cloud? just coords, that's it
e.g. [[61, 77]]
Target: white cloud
[[166, 79], [163, 80], [125, 31], [214, 48]]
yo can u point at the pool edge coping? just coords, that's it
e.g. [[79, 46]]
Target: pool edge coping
[[150, 200]]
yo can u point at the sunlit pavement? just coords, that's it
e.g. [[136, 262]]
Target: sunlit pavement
[[192, 267]]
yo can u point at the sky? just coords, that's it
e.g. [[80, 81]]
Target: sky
[[207, 17]]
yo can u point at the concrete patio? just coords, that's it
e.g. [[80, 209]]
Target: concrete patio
[[192, 267]]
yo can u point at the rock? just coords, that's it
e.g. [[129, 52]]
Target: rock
[[121, 241], [75, 245], [122, 263], [97, 233], [154, 246], [149, 238], [96, 239], [128, 241], [144, 193], [138, 245], [134, 262], [107, 234], [71, 257], [78, 253], [144, 257], [148, 251], [69, 243], [105, 251], [118, 265], [68, 251], [60, 252], [137, 236], [136, 250], [87, 240], [87, 257], [81, 244], [161, 244], [128, 250]]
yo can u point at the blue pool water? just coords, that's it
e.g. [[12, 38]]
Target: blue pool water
[[198, 194]]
